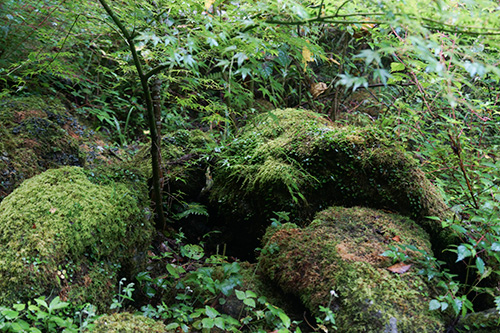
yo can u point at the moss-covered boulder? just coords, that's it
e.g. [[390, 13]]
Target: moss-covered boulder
[[298, 161], [126, 322], [339, 253], [37, 133], [72, 233]]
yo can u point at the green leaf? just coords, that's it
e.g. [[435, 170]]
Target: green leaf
[[212, 42], [192, 251], [459, 228], [172, 326], [41, 302], [240, 294], [250, 302], [56, 304], [207, 322], [219, 322], [10, 314], [175, 270], [284, 319], [19, 307], [22, 326], [211, 312], [462, 253], [397, 66], [495, 247], [434, 305], [480, 265]]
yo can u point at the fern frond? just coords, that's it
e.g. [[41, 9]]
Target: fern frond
[[192, 208]]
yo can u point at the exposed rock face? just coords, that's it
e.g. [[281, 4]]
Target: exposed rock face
[[341, 251], [297, 161], [72, 233]]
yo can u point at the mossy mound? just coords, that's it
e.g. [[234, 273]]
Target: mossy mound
[[72, 233], [341, 251], [126, 322], [37, 134], [298, 161]]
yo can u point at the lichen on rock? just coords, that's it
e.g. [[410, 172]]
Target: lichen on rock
[[71, 232], [340, 253]]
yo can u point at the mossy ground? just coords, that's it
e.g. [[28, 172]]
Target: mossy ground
[[70, 233], [341, 251]]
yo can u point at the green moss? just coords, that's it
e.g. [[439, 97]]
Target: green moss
[[62, 232], [298, 161], [482, 321], [126, 322], [34, 136], [341, 251]]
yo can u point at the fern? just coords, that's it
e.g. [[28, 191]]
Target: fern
[[192, 208]]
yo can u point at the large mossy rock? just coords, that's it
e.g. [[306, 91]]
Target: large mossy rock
[[72, 233], [298, 161], [341, 251], [37, 133]]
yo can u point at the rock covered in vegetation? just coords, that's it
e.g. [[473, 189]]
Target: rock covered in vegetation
[[37, 133], [480, 322], [72, 233], [298, 161], [127, 322], [340, 253]]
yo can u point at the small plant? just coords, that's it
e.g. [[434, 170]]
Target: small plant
[[204, 286], [329, 319], [41, 316], [125, 294]]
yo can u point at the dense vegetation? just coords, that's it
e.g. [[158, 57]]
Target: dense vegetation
[[422, 75]]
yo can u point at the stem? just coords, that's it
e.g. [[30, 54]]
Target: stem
[[155, 149]]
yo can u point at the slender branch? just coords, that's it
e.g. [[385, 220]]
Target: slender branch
[[156, 70], [432, 24], [155, 150]]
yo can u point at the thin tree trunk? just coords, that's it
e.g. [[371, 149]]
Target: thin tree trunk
[[155, 148]]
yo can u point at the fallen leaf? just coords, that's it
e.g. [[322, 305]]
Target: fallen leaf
[[307, 54], [396, 238], [209, 3], [317, 89], [399, 268]]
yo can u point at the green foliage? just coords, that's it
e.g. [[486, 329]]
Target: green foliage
[[209, 294], [429, 69], [41, 316]]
